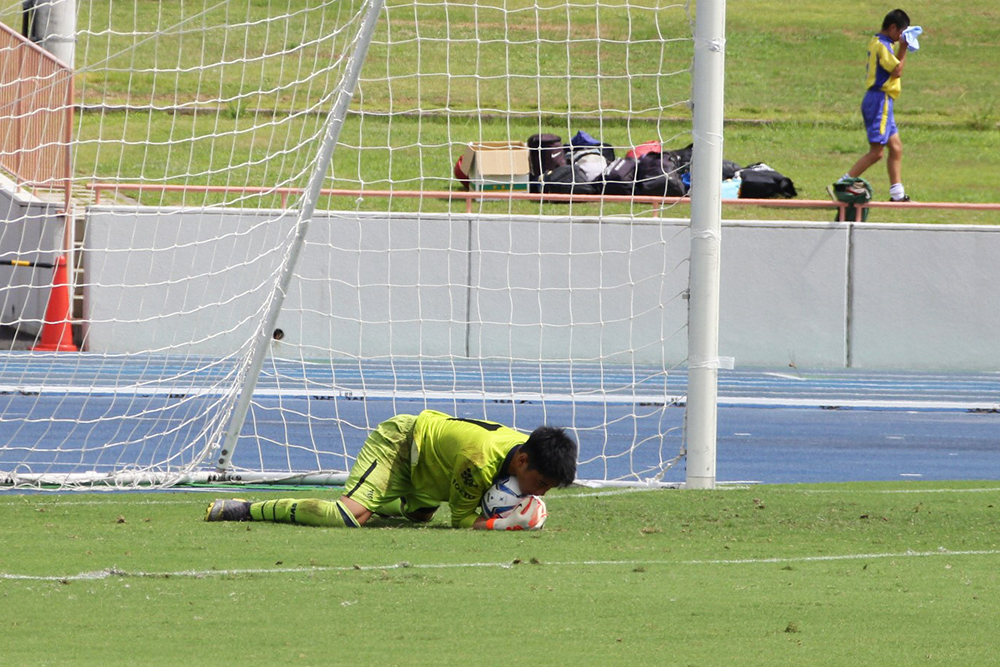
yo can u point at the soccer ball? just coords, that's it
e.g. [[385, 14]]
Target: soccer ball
[[501, 498]]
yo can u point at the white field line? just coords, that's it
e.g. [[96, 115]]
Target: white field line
[[112, 573]]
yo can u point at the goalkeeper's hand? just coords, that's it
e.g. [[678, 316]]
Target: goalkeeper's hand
[[530, 514]]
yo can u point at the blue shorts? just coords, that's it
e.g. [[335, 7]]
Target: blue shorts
[[880, 123]]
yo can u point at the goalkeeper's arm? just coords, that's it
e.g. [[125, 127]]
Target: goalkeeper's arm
[[530, 514]]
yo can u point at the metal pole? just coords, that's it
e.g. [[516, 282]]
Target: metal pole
[[19, 141], [307, 207], [53, 27], [70, 221], [706, 225]]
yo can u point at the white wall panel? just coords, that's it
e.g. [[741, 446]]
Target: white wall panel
[[921, 297]]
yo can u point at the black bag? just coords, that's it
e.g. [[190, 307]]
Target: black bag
[[658, 174], [729, 169], [682, 158], [761, 182], [545, 153], [619, 177], [566, 180], [608, 151]]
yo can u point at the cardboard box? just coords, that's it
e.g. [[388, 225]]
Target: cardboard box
[[496, 165]]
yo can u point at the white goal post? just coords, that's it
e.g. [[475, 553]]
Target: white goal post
[[269, 249], [706, 237]]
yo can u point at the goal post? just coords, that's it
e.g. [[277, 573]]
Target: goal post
[[306, 209], [706, 237], [290, 230]]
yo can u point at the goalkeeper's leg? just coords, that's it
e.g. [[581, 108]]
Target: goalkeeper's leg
[[307, 512], [416, 510], [379, 475]]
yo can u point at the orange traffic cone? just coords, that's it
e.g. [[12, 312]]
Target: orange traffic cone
[[57, 331]]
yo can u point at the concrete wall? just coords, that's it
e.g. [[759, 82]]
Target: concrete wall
[[171, 282], [784, 294], [926, 297], [369, 285], [29, 230], [810, 294]]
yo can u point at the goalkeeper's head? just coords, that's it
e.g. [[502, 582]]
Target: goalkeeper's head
[[546, 460]]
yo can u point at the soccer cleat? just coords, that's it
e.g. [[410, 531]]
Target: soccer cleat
[[904, 198], [228, 509]]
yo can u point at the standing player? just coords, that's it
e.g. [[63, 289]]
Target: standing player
[[883, 87], [410, 464]]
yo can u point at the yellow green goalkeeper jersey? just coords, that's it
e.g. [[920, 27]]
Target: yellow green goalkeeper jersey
[[456, 460]]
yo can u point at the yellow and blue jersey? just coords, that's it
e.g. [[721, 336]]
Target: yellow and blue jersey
[[881, 62], [456, 460]]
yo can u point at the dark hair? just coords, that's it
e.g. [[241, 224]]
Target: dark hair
[[552, 453], [896, 17]]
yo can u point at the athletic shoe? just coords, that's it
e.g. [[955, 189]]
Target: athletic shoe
[[234, 509], [905, 198]]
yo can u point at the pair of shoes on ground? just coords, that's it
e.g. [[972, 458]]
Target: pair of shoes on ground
[[228, 509]]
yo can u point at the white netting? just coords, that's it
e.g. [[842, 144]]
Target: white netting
[[195, 127]]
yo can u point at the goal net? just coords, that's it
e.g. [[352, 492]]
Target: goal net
[[262, 248]]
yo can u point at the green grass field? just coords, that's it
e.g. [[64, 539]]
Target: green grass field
[[839, 575], [874, 574], [793, 86]]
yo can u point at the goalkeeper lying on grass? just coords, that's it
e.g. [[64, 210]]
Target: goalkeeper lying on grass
[[410, 464]]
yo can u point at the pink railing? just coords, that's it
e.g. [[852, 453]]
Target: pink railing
[[470, 197], [36, 114]]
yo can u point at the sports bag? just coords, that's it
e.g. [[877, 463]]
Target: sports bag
[[566, 180], [852, 191], [762, 182], [652, 146], [591, 162], [619, 177], [658, 174], [545, 153], [583, 143]]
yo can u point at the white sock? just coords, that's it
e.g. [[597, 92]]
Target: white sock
[[896, 191]]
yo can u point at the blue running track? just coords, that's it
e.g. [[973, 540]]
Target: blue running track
[[774, 426]]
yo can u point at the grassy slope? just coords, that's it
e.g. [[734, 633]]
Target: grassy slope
[[808, 64], [804, 67], [795, 74], [942, 163], [617, 579]]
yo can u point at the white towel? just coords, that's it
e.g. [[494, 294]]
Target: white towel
[[911, 34]]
